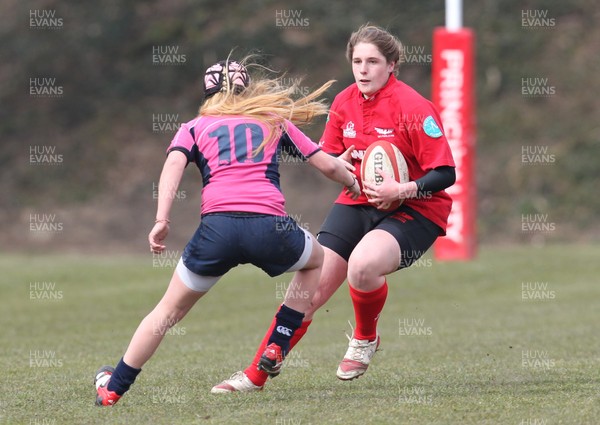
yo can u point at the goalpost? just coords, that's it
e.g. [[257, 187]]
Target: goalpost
[[453, 83]]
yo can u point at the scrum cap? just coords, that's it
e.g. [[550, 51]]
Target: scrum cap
[[223, 74]]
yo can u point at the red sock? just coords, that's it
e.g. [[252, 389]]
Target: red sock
[[367, 307], [259, 377]]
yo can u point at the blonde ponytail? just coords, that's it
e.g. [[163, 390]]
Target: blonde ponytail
[[268, 101]]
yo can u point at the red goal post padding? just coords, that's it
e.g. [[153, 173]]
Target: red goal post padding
[[453, 95]]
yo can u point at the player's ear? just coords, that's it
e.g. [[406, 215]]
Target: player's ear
[[391, 67]]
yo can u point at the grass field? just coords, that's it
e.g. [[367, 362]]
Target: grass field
[[512, 338]]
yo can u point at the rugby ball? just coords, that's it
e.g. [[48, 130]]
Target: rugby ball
[[384, 156]]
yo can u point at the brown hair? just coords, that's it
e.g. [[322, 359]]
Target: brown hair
[[387, 44]]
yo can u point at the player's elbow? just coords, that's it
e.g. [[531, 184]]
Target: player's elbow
[[451, 176]]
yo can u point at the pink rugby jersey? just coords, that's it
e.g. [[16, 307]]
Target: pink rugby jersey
[[234, 178]]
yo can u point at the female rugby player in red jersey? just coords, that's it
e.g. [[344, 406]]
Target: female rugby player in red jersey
[[235, 141], [362, 241]]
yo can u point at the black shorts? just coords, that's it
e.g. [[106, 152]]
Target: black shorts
[[346, 225]]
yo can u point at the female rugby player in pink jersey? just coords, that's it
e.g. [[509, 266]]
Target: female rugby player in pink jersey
[[362, 241], [235, 141]]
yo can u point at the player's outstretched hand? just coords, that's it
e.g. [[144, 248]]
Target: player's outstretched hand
[[157, 236], [346, 159]]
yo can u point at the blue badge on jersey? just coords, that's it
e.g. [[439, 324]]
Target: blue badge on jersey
[[431, 128]]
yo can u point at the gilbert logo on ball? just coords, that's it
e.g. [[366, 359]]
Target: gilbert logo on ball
[[386, 157]]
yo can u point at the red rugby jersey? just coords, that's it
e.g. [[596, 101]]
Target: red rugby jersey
[[400, 115]]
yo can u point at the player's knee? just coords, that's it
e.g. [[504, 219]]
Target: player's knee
[[360, 272]]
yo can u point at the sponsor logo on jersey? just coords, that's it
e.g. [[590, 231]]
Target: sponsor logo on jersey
[[358, 154], [431, 128], [349, 131], [384, 132]]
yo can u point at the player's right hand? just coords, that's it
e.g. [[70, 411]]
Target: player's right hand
[[157, 236]]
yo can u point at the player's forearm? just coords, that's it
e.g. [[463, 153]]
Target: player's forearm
[[169, 183], [341, 175], [435, 180], [332, 168]]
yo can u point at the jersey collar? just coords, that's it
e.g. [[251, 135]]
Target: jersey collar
[[379, 93]]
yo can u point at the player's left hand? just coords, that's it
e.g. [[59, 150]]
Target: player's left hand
[[384, 194], [157, 236], [346, 159]]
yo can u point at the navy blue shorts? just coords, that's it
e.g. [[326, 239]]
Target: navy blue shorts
[[346, 225], [276, 244]]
